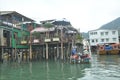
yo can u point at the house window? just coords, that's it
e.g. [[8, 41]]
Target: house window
[[91, 33], [114, 39], [107, 39], [92, 40], [5, 33], [95, 33], [102, 40], [106, 33], [96, 40], [102, 33], [113, 32]]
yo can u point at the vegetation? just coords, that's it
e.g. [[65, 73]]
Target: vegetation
[[36, 34], [115, 24], [48, 25], [79, 37]]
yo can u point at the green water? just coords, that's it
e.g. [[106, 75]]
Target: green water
[[101, 68]]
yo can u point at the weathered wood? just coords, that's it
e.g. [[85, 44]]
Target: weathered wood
[[30, 47], [61, 44], [46, 51], [57, 51]]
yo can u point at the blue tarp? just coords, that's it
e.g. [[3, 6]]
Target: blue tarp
[[73, 51], [108, 47]]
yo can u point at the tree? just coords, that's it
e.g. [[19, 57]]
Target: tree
[[48, 25], [79, 37], [36, 35]]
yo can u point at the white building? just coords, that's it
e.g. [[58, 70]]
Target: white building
[[100, 36]]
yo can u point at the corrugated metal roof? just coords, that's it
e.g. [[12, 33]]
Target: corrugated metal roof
[[6, 12], [14, 12]]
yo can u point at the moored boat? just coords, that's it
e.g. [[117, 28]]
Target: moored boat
[[108, 49], [80, 58]]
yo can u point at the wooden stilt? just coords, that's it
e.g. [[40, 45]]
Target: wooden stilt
[[30, 47], [61, 43], [68, 50], [43, 52], [2, 53], [46, 51], [57, 51]]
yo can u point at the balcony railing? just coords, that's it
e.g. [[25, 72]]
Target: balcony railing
[[43, 40]]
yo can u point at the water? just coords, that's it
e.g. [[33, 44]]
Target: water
[[101, 68]]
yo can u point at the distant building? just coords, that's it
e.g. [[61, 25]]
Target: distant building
[[107, 33], [102, 36]]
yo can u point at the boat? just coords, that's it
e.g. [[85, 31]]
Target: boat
[[108, 49], [82, 56]]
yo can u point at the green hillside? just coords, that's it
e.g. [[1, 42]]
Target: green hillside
[[115, 24]]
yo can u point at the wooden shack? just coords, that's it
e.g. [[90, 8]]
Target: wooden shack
[[54, 42], [11, 33]]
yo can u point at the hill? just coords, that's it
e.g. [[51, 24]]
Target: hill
[[115, 24], [85, 35]]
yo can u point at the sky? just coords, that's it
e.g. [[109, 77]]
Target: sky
[[85, 15]]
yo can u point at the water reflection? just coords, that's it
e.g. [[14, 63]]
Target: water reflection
[[47, 66], [109, 59], [30, 65], [101, 68], [57, 70]]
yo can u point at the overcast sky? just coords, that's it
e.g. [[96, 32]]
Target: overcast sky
[[83, 14]]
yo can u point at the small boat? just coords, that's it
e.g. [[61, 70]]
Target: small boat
[[108, 49], [80, 58]]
